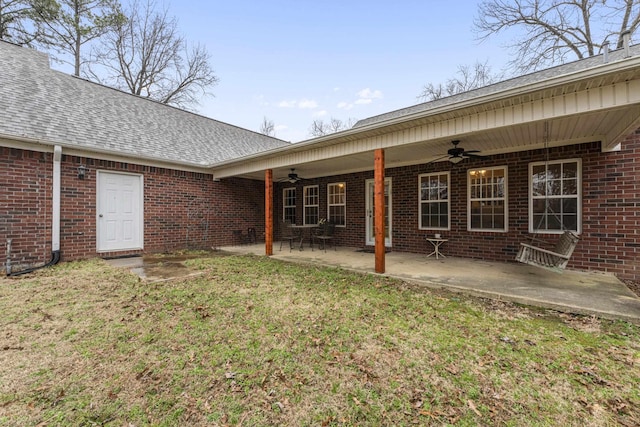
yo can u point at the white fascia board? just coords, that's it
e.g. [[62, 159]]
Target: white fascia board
[[339, 137], [43, 146]]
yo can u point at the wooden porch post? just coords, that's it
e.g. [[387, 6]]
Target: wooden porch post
[[378, 205], [268, 212]]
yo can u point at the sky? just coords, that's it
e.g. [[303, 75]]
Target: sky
[[296, 61]]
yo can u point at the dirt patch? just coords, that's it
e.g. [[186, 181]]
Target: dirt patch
[[634, 286], [252, 341], [159, 267]]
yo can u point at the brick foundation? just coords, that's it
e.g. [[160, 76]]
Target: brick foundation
[[190, 210], [182, 209], [610, 239]]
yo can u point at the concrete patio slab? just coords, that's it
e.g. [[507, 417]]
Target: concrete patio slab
[[597, 294]]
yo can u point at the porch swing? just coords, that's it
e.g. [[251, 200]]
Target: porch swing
[[555, 259]]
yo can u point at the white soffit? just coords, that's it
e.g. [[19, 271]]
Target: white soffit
[[579, 112]]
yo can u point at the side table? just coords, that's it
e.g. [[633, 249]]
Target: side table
[[436, 247]]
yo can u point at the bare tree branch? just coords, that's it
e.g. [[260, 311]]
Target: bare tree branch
[[70, 24], [268, 127], [556, 31], [320, 127], [469, 78], [20, 22], [148, 57]]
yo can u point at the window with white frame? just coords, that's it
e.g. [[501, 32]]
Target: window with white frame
[[555, 196], [487, 209], [434, 201], [311, 204], [337, 203], [289, 205]]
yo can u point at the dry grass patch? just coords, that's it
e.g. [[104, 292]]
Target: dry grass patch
[[253, 341]]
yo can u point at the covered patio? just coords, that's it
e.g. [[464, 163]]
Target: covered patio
[[597, 294], [576, 115]]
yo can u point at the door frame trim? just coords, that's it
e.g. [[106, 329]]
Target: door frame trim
[[140, 211], [368, 206]]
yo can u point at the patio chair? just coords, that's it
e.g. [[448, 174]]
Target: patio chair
[[287, 234], [324, 235], [555, 259], [238, 237], [251, 235]]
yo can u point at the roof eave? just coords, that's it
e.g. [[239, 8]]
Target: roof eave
[[104, 153], [338, 137]]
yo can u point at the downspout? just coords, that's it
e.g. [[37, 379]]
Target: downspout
[[55, 217]]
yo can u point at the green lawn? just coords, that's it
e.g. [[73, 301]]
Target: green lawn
[[258, 342]]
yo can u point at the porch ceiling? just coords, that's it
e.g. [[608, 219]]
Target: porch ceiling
[[601, 105], [608, 126]]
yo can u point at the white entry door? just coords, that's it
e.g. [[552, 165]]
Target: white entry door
[[120, 211], [370, 191]]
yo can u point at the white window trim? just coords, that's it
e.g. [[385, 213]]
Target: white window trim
[[506, 200], [344, 184], [284, 201], [305, 205], [420, 201], [578, 184]]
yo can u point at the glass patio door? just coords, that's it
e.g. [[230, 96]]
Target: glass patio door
[[369, 214]]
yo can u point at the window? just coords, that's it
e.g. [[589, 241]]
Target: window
[[488, 199], [311, 204], [289, 205], [337, 203], [434, 201], [555, 196]]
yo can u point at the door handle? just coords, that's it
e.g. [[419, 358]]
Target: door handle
[[100, 216]]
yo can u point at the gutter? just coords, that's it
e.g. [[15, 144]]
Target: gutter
[[339, 137], [103, 154], [55, 218]]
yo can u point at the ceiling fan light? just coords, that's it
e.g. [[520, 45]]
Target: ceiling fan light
[[455, 159]]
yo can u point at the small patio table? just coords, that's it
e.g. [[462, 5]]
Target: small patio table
[[302, 229], [436, 247]]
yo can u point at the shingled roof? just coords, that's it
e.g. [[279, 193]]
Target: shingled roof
[[513, 83], [49, 106]]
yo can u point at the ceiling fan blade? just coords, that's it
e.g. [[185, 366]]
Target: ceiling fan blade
[[472, 151], [476, 156], [437, 159], [291, 178]]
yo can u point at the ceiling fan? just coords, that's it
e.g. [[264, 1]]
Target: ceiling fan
[[458, 154], [292, 177]]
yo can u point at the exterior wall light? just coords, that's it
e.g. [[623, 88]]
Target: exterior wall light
[[82, 171]]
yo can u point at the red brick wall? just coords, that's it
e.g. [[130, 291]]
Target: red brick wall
[[182, 209], [610, 239], [189, 210], [25, 205]]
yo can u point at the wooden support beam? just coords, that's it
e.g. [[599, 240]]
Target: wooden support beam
[[268, 212], [379, 209]]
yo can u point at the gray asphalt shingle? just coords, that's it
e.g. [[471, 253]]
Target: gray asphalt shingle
[[500, 86], [39, 103]]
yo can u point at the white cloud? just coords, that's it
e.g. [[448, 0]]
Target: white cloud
[[304, 104], [280, 127], [320, 113], [364, 97], [287, 104], [369, 94], [307, 104]]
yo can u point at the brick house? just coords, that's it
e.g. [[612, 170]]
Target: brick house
[[558, 150]]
